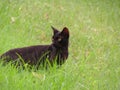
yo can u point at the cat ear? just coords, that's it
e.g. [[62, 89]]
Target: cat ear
[[54, 30], [65, 32]]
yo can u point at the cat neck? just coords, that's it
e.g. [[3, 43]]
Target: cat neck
[[62, 47]]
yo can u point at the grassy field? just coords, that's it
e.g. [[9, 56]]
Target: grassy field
[[94, 51]]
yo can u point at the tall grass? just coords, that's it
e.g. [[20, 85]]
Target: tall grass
[[94, 49]]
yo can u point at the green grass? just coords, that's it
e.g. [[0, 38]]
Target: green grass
[[94, 51]]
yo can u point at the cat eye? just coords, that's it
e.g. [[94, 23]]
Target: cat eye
[[59, 39]]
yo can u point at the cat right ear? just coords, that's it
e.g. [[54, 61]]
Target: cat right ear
[[65, 32], [54, 30]]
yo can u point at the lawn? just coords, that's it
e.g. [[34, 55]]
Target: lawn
[[94, 49]]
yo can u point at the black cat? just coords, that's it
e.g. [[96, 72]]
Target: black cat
[[37, 55]]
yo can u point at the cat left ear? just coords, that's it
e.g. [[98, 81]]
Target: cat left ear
[[54, 30], [65, 32]]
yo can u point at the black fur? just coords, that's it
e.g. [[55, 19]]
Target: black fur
[[36, 55]]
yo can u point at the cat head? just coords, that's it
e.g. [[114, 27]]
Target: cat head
[[60, 38]]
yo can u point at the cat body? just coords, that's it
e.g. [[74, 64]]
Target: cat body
[[36, 55]]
